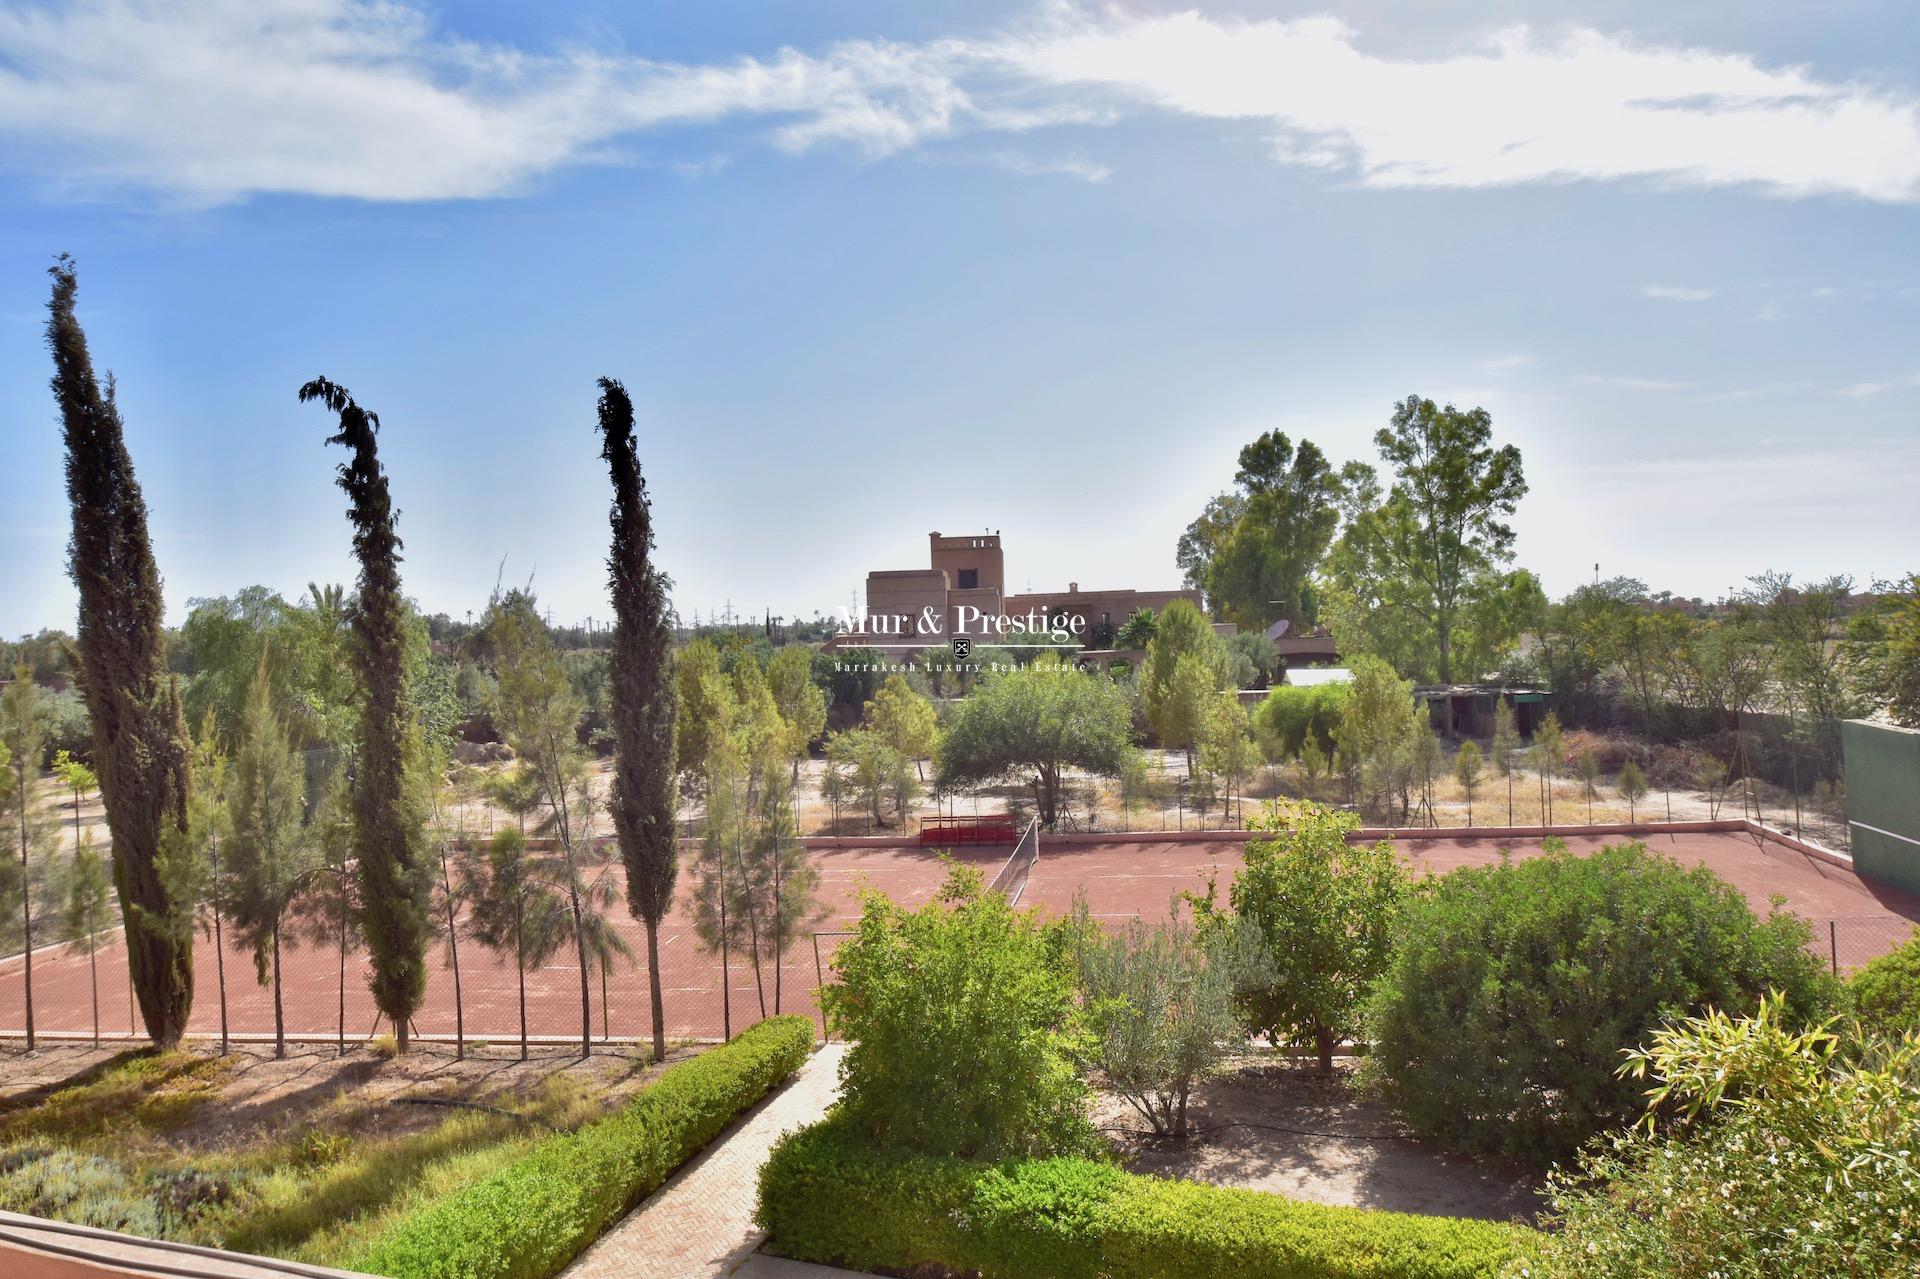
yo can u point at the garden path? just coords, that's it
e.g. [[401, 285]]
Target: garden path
[[700, 1224]]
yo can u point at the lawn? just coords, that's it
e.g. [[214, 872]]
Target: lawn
[[306, 1158]]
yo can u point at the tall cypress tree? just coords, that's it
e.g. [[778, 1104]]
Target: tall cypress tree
[[389, 808], [643, 701], [139, 738]]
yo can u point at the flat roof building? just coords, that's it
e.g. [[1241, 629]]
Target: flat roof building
[[964, 588]]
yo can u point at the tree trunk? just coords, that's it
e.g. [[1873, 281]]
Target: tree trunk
[[340, 1029], [279, 1015], [653, 991], [219, 954], [93, 973], [1323, 1044], [453, 950], [520, 964], [26, 896]]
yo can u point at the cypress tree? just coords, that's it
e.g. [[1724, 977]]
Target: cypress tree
[[389, 809], [643, 699], [139, 738]]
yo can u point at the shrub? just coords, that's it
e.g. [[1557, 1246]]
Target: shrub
[[1324, 911], [962, 1020], [1884, 997], [1514, 989], [1778, 1160], [1160, 1004], [1283, 721], [532, 1217], [1078, 1219], [77, 1188]]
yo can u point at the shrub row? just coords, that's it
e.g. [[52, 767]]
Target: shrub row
[[534, 1216], [1078, 1219]]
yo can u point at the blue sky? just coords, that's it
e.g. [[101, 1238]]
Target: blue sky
[[871, 270]]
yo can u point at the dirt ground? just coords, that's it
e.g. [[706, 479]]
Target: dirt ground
[[1320, 1141], [256, 1095]]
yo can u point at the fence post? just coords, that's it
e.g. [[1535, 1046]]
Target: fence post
[[1833, 944]]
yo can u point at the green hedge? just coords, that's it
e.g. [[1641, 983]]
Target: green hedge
[[532, 1217], [827, 1197]]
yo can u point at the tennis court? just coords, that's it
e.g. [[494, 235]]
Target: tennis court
[[1853, 921]]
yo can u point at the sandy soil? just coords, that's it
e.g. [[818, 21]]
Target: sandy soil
[[1321, 1142]]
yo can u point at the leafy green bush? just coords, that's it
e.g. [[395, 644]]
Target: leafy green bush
[[1325, 912], [962, 1022], [1078, 1219], [1778, 1160], [1514, 989], [1284, 719], [1885, 995], [531, 1218]]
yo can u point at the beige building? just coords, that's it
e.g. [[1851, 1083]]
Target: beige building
[[966, 582]]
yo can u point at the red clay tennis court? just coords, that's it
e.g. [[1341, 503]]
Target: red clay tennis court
[[1853, 922], [1854, 918], [692, 986]]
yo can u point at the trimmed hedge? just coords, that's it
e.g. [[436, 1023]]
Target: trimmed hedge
[[532, 1217], [827, 1197]]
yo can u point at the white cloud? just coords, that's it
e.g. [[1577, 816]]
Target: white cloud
[[1630, 383], [212, 100], [1864, 390], [1675, 293], [1501, 365]]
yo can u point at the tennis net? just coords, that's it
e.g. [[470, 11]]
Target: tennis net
[[1011, 878]]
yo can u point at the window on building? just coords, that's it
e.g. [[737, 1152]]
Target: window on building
[[969, 579]]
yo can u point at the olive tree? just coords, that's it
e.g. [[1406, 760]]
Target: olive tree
[[1037, 722]]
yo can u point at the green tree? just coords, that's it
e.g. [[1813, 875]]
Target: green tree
[[540, 713], [1290, 716], [1040, 721], [1548, 756], [1160, 1005], [88, 888], [966, 1000], [389, 828], [269, 852], [330, 901], [1514, 989], [1260, 569], [140, 741], [1176, 699], [1466, 771], [1426, 556], [515, 908], [801, 702], [1890, 669], [1379, 732], [1633, 788], [905, 719], [1588, 767], [209, 821], [23, 737], [1325, 910], [79, 779], [873, 770], [704, 710], [1226, 747]]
